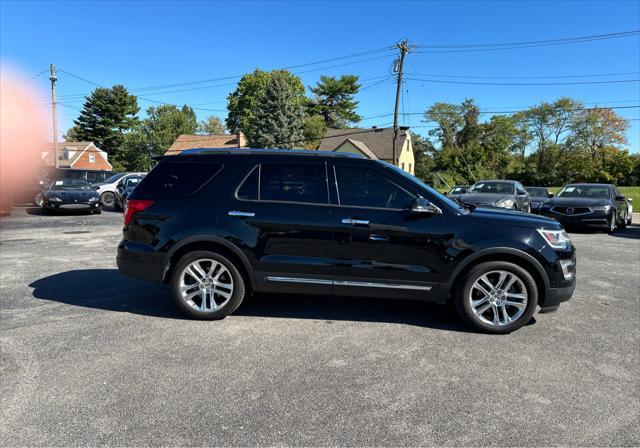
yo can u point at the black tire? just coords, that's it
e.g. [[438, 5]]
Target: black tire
[[45, 210], [108, 199], [463, 307], [38, 200], [96, 212], [613, 222], [623, 224], [237, 296]]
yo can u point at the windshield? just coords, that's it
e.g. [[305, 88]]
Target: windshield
[[70, 184], [114, 178], [585, 191], [492, 187], [421, 184], [539, 192], [456, 190]]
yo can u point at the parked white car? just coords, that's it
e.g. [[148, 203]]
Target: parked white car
[[107, 189]]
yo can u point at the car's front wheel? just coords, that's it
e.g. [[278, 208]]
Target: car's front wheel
[[497, 297], [107, 199], [612, 222], [38, 200], [206, 285]]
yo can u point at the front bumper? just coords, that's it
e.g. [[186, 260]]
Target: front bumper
[[71, 206], [592, 220]]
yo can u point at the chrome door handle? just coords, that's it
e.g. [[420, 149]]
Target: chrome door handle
[[355, 222], [241, 214]]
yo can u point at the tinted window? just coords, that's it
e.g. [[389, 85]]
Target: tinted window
[[539, 192], [293, 182], [363, 187], [584, 191], [249, 188], [492, 187], [177, 178]]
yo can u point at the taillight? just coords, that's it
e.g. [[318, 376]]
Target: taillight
[[134, 205]]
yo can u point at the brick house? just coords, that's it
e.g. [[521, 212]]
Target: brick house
[[195, 141], [78, 155], [376, 144]]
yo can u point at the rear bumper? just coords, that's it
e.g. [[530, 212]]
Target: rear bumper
[[134, 261]]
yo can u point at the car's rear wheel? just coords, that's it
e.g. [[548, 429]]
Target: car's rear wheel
[[206, 285], [497, 297], [107, 199], [623, 222]]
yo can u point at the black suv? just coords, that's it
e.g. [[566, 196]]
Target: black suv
[[215, 224]]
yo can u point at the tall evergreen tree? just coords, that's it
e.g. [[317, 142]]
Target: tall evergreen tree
[[334, 101], [106, 115], [278, 121]]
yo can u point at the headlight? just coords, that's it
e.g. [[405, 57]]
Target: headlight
[[55, 199], [601, 208], [558, 239], [506, 203], [93, 199]]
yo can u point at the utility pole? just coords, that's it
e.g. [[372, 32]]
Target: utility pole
[[54, 116], [404, 48]]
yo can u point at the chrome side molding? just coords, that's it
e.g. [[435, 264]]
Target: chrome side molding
[[318, 281], [241, 214]]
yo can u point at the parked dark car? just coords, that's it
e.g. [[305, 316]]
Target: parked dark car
[[457, 190], [539, 195], [599, 206], [216, 224], [30, 191], [508, 194], [70, 195], [124, 188]]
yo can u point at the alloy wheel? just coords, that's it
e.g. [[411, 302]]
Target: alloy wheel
[[108, 199], [498, 298], [206, 285], [38, 200]]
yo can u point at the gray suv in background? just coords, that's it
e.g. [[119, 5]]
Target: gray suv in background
[[508, 194]]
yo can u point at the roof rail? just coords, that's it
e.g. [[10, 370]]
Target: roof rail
[[261, 151]]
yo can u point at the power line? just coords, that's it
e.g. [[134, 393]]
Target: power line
[[460, 48], [32, 78], [443, 81], [522, 77]]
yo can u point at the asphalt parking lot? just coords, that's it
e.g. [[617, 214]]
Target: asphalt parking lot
[[89, 357]]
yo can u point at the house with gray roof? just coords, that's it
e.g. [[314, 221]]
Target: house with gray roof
[[372, 143]]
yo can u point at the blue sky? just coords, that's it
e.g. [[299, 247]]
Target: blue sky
[[149, 44]]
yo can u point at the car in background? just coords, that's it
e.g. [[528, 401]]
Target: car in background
[[457, 190], [599, 206], [91, 176], [508, 194], [30, 191], [124, 188], [70, 195], [107, 189], [539, 195]]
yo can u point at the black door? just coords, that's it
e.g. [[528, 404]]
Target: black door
[[380, 247], [280, 213]]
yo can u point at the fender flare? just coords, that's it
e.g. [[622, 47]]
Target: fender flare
[[497, 251], [210, 239]]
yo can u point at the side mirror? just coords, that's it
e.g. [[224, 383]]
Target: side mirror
[[620, 198], [522, 193], [552, 195], [421, 206]]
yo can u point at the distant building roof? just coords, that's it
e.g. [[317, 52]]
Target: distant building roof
[[194, 141], [70, 152], [378, 141]]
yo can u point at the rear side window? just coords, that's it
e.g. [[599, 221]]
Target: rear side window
[[177, 178], [293, 183]]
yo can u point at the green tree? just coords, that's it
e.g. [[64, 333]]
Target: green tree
[[245, 99], [212, 125], [314, 130], [107, 114], [278, 121], [334, 101], [155, 134]]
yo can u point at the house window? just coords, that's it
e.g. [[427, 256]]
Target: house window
[[402, 165], [92, 158], [65, 154], [409, 167]]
